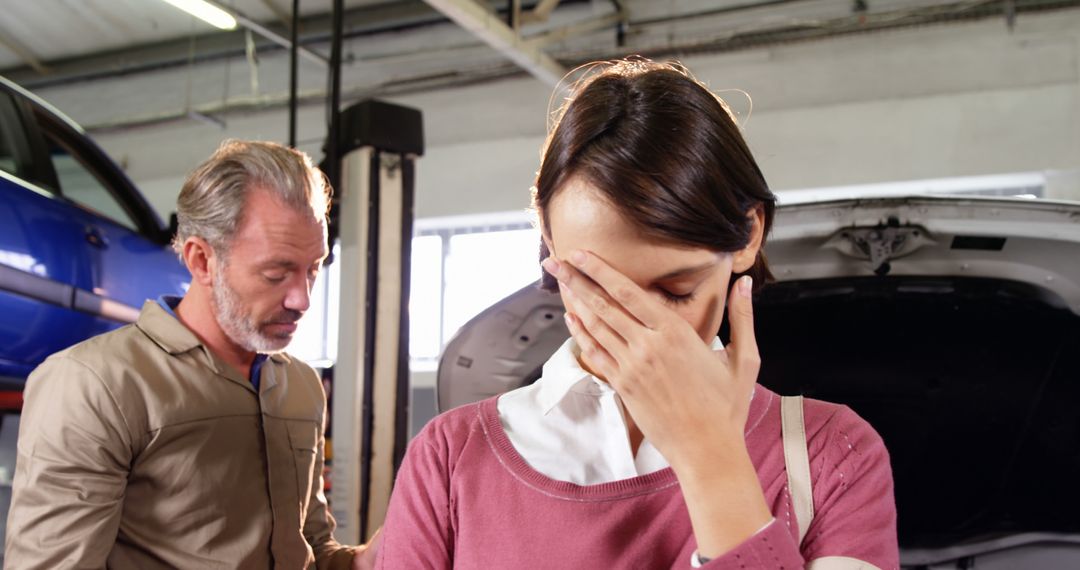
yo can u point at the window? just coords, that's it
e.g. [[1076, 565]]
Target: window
[[425, 297], [458, 271], [484, 267], [7, 155], [13, 146], [79, 184]]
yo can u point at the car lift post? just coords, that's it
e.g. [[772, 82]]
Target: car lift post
[[379, 143]]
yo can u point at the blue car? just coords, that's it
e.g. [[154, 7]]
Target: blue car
[[80, 248]]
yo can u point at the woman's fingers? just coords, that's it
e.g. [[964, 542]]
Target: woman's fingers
[[621, 288], [590, 295], [594, 352], [743, 349], [600, 331]]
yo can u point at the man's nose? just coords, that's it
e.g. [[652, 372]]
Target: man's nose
[[298, 297]]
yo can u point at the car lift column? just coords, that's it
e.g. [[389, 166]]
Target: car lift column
[[379, 143]]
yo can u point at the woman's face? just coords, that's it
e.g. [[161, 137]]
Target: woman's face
[[691, 281]]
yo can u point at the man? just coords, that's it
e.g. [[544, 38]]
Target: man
[[189, 439]]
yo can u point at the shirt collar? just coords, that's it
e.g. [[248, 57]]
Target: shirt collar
[[158, 321], [169, 303], [562, 373]]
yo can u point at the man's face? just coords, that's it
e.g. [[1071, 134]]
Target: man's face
[[263, 286]]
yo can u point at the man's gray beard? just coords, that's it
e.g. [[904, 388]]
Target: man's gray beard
[[237, 324]]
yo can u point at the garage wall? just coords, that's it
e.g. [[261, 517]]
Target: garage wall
[[941, 101]]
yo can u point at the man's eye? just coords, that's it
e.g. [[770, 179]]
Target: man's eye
[[274, 278]]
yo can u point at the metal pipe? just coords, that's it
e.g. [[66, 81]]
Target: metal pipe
[[333, 104], [713, 12], [333, 155], [267, 33], [293, 81]]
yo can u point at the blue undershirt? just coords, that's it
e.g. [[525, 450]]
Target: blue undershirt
[[169, 303]]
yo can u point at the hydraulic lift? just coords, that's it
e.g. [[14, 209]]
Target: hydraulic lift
[[379, 143]]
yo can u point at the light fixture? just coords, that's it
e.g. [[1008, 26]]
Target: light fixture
[[207, 12]]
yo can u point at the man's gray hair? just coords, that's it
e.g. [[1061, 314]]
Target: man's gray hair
[[211, 202]]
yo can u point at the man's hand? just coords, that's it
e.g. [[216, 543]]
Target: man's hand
[[364, 559]]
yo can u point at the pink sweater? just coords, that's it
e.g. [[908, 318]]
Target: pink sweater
[[464, 498]]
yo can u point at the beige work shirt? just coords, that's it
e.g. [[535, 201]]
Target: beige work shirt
[[140, 449]]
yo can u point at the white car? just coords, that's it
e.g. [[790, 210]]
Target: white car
[[952, 325]]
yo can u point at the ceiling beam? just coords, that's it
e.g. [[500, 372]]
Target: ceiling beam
[[493, 31], [284, 16], [8, 40], [539, 14]]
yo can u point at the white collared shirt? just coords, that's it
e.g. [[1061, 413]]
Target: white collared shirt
[[570, 425]]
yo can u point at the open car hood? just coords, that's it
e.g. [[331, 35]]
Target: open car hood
[[1027, 241], [952, 325]]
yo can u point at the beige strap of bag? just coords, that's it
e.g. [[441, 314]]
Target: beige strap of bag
[[797, 461]]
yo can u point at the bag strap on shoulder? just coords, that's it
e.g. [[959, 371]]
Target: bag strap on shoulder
[[797, 461]]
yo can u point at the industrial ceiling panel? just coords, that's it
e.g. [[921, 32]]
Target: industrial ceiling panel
[[36, 32]]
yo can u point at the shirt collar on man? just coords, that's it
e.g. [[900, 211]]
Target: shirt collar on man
[[169, 303], [159, 322], [562, 374], [175, 338]]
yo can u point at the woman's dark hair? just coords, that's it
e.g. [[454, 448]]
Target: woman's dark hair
[[665, 151]]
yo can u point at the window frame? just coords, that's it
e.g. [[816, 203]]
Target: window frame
[[130, 223], [446, 228], [32, 164], [38, 121]]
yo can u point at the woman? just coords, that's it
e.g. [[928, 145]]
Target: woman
[[646, 443]]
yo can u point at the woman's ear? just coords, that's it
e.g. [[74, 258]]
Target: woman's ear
[[542, 226], [200, 260], [744, 259], [547, 281]]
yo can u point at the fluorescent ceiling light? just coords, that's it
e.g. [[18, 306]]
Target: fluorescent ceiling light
[[206, 12]]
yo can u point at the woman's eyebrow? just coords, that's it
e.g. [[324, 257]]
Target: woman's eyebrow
[[686, 271]]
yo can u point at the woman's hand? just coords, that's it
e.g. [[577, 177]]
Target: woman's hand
[[686, 398], [689, 401]]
